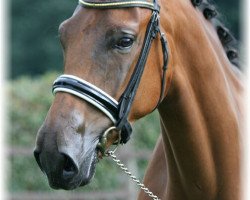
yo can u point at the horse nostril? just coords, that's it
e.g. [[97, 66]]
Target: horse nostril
[[37, 157], [69, 167]]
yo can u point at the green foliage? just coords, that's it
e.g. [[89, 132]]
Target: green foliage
[[35, 46], [29, 101], [25, 175], [148, 128]]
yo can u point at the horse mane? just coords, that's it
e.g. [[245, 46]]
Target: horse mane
[[228, 41]]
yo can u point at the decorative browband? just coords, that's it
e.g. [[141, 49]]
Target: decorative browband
[[119, 4]]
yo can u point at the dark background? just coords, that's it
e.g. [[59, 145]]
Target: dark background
[[35, 47]]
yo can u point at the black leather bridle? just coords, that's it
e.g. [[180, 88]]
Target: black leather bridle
[[118, 111]]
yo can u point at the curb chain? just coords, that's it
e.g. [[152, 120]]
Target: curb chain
[[137, 181]]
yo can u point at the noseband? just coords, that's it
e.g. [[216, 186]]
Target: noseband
[[118, 111]]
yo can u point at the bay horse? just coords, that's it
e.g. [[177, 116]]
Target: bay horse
[[124, 59]]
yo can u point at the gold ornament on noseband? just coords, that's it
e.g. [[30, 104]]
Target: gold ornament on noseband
[[103, 142]]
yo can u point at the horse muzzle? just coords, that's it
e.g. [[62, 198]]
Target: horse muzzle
[[62, 170], [67, 162]]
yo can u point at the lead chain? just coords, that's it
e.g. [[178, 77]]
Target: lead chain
[[137, 181]]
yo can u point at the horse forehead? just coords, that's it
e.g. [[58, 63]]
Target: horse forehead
[[87, 18], [119, 17]]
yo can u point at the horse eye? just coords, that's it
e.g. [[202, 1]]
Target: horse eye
[[124, 43]]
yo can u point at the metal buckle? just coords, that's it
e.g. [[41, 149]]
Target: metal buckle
[[101, 146]]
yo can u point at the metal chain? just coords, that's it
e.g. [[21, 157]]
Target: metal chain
[[137, 181]]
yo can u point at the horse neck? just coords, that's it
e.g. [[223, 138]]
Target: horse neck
[[200, 115]]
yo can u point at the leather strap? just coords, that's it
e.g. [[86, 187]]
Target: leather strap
[[119, 4], [127, 97], [88, 92]]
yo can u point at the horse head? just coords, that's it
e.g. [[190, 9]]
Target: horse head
[[101, 50]]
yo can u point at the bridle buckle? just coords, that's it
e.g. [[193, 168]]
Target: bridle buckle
[[101, 147]]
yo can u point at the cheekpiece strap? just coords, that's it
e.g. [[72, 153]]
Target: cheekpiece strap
[[120, 4]]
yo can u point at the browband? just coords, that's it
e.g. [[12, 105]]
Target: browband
[[120, 4]]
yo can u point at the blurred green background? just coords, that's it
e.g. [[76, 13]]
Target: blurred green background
[[35, 61]]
